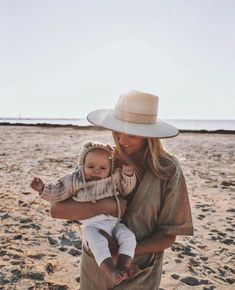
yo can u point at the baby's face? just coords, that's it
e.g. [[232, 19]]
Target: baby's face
[[96, 165]]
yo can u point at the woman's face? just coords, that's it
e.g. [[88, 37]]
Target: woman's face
[[130, 144]]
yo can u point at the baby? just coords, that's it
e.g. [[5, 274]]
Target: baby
[[95, 179]]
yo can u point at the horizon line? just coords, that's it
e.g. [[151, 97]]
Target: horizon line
[[64, 118]]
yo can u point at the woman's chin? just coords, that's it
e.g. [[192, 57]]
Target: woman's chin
[[127, 151]]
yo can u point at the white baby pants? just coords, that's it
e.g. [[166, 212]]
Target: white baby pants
[[98, 244]]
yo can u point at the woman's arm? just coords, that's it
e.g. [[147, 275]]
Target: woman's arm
[[72, 210], [155, 243]]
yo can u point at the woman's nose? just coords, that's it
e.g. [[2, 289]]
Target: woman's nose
[[122, 139]]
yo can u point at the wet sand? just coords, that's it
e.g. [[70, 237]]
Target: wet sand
[[38, 252]]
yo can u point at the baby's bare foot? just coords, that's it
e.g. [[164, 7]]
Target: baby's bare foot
[[120, 276]]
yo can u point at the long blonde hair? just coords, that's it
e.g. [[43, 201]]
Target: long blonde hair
[[159, 161]]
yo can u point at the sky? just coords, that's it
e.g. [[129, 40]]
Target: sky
[[65, 58]]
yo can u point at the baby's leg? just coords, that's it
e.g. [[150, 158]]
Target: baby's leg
[[116, 275], [127, 243], [98, 245], [124, 262]]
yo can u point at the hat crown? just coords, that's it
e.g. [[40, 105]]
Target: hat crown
[[137, 107]]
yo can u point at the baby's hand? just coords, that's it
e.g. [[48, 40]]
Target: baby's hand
[[127, 170], [37, 184]]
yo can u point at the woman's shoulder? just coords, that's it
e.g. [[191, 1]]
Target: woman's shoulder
[[168, 160], [177, 169], [172, 165], [173, 160]]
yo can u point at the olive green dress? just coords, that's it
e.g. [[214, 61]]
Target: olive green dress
[[157, 206]]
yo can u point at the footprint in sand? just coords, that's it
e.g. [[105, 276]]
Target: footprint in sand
[[191, 281], [68, 242]]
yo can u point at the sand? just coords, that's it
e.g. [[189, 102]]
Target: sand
[[38, 252]]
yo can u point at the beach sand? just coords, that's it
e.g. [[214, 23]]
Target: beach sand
[[39, 252]]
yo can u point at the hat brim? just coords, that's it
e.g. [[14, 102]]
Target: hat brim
[[105, 119]]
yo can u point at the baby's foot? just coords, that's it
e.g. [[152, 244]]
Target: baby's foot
[[120, 276]]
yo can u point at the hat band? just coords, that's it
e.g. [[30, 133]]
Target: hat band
[[134, 117]]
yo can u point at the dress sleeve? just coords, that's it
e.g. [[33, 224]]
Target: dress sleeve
[[175, 215]]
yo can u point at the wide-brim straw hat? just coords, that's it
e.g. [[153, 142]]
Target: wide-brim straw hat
[[134, 114]]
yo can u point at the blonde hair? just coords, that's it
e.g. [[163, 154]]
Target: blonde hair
[[159, 161]]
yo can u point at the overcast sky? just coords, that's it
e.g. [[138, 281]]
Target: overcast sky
[[67, 58]]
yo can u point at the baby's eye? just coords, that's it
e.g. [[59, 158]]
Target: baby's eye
[[90, 166], [103, 168]]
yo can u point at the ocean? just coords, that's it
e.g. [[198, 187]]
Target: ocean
[[181, 124]]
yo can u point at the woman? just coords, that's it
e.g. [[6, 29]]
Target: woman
[[157, 210]]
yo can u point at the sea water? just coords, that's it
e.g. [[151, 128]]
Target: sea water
[[181, 124]]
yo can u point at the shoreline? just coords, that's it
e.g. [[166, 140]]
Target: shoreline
[[46, 125]]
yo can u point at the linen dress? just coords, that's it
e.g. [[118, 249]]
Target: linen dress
[[157, 206]]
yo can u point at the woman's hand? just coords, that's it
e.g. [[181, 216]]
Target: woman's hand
[[113, 245], [110, 206]]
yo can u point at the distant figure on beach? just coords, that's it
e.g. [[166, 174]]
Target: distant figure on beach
[[156, 211], [94, 179]]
